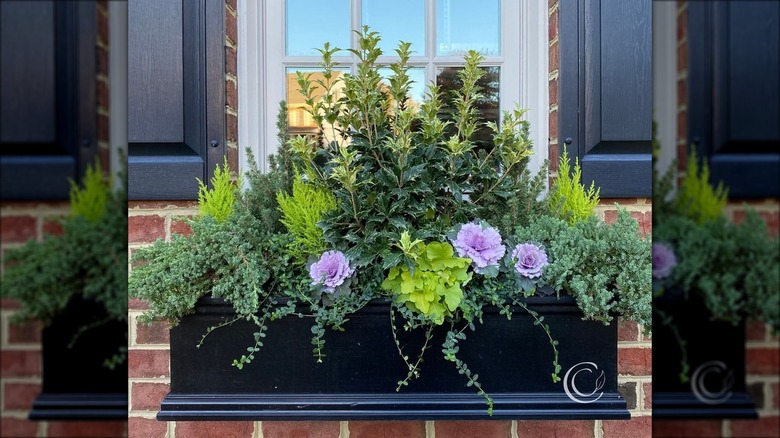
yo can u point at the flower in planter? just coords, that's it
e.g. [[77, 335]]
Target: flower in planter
[[664, 260], [482, 244], [330, 271], [529, 260]]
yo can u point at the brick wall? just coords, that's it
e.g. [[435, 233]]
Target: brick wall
[[21, 369], [762, 354], [149, 365]]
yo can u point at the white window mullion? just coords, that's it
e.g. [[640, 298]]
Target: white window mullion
[[532, 74]]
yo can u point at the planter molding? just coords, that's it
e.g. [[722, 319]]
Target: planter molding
[[716, 357], [358, 377]]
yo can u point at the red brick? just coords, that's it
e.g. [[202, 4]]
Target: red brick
[[553, 91], [682, 93], [103, 130], [211, 429], [102, 429], [148, 363], [648, 388], [19, 396], [553, 122], [102, 27], [232, 127], [28, 332], [16, 427], [553, 26], [628, 331], [682, 133], [469, 429], [232, 155], [9, 303], [16, 363], [18, 229], [53, 227], [761, 427], [145, 229], [755, 331], [155, 333], [635, 361], [301, 429], [554, 61], [762, 360], [231, 29], [687, 428], [386, 429], [553, 154], [636, 427], [231, 3], [102, 94], [147, 396], [137, 304], [555, 429], [146, 428], [231, 66], [682, 25], [682, 58]]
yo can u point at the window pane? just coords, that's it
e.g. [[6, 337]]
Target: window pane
[[310, 23], [463, 25], [487, 107], [398, 20], [299, 120], [417, 75]]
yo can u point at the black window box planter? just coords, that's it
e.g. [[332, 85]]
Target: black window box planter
[[358, 377], [716, 360], [76, 385]]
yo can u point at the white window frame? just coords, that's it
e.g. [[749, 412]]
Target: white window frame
[[261, 70]]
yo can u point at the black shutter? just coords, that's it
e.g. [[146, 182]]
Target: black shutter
[[605, 108], [175, 96], [48, 108], [734, 93]]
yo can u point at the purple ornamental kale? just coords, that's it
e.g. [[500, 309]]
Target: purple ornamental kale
[[529, 260], [330, 270], [664, 260], [482, 245]]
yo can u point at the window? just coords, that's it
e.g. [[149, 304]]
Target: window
[[280, 38]]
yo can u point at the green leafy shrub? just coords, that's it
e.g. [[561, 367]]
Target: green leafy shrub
[[218, 201], [90, 201], [569, 200], [697, 198], [605, 267], [300, 214]]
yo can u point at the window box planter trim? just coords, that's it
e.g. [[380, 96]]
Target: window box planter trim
[[358, 376]]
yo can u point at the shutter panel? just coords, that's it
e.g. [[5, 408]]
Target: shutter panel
[[734, 93], [605, 108], [48, 108], [175, 96]]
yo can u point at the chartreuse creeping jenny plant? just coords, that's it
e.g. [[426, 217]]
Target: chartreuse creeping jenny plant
[[393, 200]]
